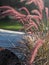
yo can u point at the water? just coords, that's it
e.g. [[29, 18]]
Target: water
[[6, 39], [10, 41]]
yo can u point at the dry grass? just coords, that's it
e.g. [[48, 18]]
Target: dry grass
[[42, 57]]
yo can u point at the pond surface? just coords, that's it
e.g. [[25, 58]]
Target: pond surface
[[10, 41]]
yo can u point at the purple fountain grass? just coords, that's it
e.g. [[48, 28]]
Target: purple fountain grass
[[35, 17], [31, 1], [36, 12], [38, 3], [11, 10], [47, 10], [22, 0], [27, 20], [21, 17], [31, 24], [25, 9], [39, 43]]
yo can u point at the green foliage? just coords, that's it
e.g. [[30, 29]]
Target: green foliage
[[10, 25]]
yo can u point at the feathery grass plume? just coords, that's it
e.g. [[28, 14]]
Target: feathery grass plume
[[12, 10], [39, 43], [30, 1], [37, 13], [38, 3], [46, 9], [28, 21], [22, 0], [22, 17], [25, 9], [31, 24], [35, 17]]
